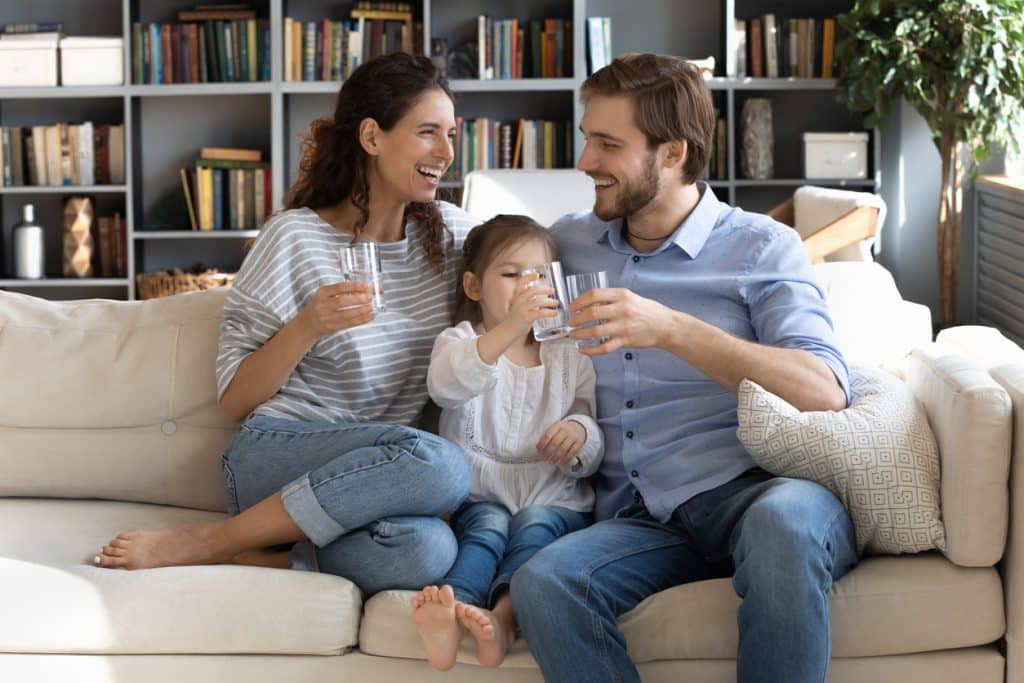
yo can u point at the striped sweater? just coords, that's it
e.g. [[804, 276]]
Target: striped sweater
[[370, 373]]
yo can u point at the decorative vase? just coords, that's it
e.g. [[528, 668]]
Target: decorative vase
[[78, 244], [757, 148]]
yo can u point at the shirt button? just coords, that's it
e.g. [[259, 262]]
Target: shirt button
[[636, 259], [634, 474], [629, 435], [629, 356], [629, 404]]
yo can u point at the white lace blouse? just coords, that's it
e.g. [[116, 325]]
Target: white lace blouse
[[497, 414]]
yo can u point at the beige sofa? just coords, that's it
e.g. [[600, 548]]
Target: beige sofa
[[108, 421]]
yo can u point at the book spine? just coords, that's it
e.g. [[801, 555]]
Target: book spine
[[254, 49], [239, 29], [309, 52]]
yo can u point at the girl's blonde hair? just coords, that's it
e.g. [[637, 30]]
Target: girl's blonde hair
[[484, 244]]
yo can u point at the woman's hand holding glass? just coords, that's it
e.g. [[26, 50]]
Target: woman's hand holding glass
[[338, 306]]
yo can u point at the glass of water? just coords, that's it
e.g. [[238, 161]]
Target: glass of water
[[556, 326], [576, 285], [360, 262]]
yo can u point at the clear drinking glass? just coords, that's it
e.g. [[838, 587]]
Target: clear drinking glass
[[360, 262], [576, 285], [557, 326]]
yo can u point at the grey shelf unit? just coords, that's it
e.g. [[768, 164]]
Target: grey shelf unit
[[166, 124]]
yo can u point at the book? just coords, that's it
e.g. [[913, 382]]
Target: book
[[740, 33], [215, 14], [828, 47], [756, 49], [230, 154], [25, 28], [186, 187], [771, 47]]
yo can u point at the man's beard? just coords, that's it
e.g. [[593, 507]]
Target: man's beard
[[634, 196]]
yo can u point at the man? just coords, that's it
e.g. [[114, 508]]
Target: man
[[702, 296]]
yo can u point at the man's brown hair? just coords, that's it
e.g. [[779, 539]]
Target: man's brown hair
[[671, 100]]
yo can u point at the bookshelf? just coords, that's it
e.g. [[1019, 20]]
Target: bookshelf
[[165, 125]]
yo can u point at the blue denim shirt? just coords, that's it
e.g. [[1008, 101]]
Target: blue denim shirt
[[670, 431]]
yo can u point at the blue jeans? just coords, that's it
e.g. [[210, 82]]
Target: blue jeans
[[784, 541], [367, 495], [494, 543]]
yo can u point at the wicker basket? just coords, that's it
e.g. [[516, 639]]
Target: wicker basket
[[176, 281]]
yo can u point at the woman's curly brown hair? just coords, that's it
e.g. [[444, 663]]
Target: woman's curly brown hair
[[333, 164]]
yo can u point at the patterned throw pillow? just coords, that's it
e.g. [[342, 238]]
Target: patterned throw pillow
[[878, 457]]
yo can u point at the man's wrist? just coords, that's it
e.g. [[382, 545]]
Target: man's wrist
[[676, 332]]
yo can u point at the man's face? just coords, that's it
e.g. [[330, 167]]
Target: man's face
[[615, 154]]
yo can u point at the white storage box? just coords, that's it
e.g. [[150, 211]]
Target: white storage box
[[92, 61], [28, 61], [835, 155]]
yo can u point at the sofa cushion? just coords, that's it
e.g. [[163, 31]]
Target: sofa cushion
[[885, 606], [55, 601], [878, 457], [971, 415], [874, 325], [118, 401]]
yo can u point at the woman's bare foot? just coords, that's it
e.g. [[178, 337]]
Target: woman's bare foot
[[433, 612], [493, 637], [274, 559], [188, 544]]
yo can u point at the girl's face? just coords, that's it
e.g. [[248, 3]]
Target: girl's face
[[494, 288], [410, 159]]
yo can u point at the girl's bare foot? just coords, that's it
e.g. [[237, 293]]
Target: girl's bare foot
[[188, 544], [433, 612], [493, 637], [274, 559]]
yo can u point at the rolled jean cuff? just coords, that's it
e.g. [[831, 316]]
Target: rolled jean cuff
[[307, 513]]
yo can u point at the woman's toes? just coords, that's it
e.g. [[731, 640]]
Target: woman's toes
[[119, 543], [112, 551]]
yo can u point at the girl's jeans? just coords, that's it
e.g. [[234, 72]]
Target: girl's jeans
[[494, 543]]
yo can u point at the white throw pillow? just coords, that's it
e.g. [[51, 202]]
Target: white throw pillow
[[878, 457]]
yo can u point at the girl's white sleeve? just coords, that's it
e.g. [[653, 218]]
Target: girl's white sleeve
[[583, 410], [457, 373]]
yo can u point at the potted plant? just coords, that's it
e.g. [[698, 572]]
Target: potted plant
[[957, 63]]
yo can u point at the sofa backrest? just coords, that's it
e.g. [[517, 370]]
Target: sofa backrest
[[112, 399]]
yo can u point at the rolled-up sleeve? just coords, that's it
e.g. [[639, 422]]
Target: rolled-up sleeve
[[246, 327], [787, 305]]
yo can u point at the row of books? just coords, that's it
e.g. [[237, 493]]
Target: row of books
[[62, 154], [510, 48], [773, 47], [486, 143], [599, 43], [227, 195], [330, 50], [207, 52]]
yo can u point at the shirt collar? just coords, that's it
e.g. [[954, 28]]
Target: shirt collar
[[690, 235]]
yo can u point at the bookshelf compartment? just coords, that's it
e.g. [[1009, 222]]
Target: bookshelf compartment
[[166, 48], [689, 29], [192, 123], [299, 111], [224, 254], [92, 18], [456, 22], [819, 111], [49, 213]]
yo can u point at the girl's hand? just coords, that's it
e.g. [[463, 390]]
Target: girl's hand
[[337, 307], [530, 301], [562, 441]]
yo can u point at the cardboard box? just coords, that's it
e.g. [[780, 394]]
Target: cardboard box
[[836, 155], [28, 62], [92, 61]]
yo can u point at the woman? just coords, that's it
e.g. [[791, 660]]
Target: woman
[[329, 389]]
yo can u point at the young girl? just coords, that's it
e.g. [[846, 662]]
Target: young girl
[[522, 412]]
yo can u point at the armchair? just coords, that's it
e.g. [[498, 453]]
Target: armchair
[[835, 225]]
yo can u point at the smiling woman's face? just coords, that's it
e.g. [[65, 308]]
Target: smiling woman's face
[[413, 156]]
